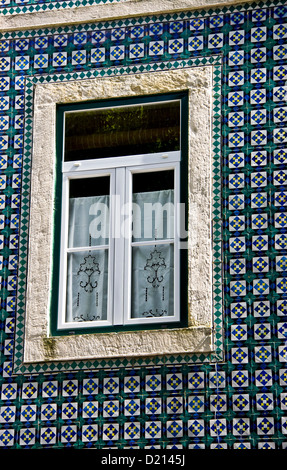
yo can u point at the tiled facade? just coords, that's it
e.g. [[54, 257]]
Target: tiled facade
[[233, 400]]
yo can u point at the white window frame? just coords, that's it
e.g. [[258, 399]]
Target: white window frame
[[172, 162], [67, 177], [120, 170]]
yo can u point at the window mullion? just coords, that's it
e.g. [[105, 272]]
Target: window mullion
[[119, 247], [128, 247]]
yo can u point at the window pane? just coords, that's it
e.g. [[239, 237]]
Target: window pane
[[153, 181], [87, 286], [152, 281], [89, 212], [85, 187], [153, 205], [122, 130]]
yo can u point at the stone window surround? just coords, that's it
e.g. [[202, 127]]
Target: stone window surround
[[198, 336]]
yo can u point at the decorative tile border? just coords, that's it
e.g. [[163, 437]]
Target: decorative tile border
[[10, 7]]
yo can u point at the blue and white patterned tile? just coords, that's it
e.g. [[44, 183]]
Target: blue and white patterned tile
[[238, 310], [174, 405], [70, 388], [132, 430], [195, 43], [265, 426], [236, 78], [137, 51], [7, 437], [153, 429], [90, 409], [117, 52], [174, 381], [111, 385], [27, 436], [90, 432], [236, 38], [68, 434], [79, 57], [48, 435], [196, 428], [98, 55], [49, 412], [22, 62], [156, 48], [7, 414], [153, 383], [218, 427], [69, 410], [241, 402], [153, 406], [174, 429], [30, 390], [60, 59], [111, 408], [60, 40], [175, 46], [241, 426], [28, 413], [132, 407]]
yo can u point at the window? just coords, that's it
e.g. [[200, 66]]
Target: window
[[38, 335], [122, 218]]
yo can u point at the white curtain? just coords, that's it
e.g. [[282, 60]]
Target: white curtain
[[88, 221], [87, 282], [87, 270], [152, 263], [152, 281]]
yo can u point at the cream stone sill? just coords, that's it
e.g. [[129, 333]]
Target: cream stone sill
[[197, 337], [105, 12]]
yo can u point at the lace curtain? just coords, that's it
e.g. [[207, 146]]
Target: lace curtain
[[87, 270], [152, 262]]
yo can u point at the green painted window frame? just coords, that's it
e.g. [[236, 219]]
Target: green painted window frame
[[183, 297]]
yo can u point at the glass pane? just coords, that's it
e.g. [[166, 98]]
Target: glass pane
[[152, 281], [87, 286], [89, 212], [122, 130], [153, 205]]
